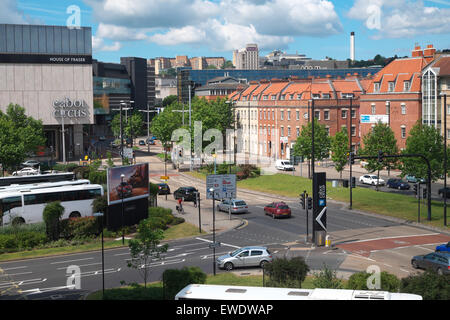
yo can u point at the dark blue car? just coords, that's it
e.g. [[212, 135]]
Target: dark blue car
[[444, 247], [435, 261], [398, 184]]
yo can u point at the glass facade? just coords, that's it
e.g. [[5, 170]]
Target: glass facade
[[431, 111], [108, 92], [34, 39]]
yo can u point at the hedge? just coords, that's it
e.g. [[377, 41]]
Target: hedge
[[175, 279], [21, 241], [80, 228]]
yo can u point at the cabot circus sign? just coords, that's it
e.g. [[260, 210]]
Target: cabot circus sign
[[67, 108]]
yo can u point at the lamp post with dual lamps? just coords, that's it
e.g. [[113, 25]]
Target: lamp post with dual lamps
[[445, 156], [121, 194]]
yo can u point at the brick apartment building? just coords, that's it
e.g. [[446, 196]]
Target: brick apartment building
[[272, 113], [394, 96]]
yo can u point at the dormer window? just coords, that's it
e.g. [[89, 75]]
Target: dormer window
[[391, 87], [273, 97], [283, 97], [406, 85], [291, 97], [265, 97], [316, 96], [326, 96], [299, 96], [376, 87], [254, 98]]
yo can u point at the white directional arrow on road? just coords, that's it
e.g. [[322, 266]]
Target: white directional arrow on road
[[319, 217]]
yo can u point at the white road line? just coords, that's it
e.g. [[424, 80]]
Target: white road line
[[82, 265], [421, 247], [404, 236], [224, 244], [13, 268], [18, 274], [404, 270], [66, 261]]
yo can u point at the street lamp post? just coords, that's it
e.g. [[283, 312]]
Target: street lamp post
[[214, 230], [121, 193], [100, 215], [445, 158]]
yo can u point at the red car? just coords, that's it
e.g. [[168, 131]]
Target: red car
[[278, 209]]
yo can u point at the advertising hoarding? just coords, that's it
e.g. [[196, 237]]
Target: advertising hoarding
[[132, 186], [374, 118]]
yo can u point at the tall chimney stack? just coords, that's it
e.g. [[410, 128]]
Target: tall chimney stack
[[352, 46]]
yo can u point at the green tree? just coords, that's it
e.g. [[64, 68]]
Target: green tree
[[287, 273], [322, 142], [381, 138], [358, 281], [51, 215], [339, 151], [132, 127], [427, 141], [167, 101], [327, 279], [20, 136], [146, 248], [429, 285], [165, 123], [228, 65]]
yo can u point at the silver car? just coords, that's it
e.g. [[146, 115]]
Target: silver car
[[245, 257], [237, 206]]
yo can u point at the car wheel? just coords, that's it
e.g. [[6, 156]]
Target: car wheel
[[263, 263], [75, 214], [228, 266], [18, 221], [414, 264]]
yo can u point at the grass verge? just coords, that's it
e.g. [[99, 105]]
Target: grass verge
[[182, 230]]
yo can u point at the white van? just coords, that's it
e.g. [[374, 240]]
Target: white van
[[284, 165]]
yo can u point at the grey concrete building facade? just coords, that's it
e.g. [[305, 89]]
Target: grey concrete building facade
[[48, 71]]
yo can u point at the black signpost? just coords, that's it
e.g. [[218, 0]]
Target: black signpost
[[319, 204]]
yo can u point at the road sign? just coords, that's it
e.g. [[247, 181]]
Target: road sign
[[319, 218], [224, 186], [164, 178]]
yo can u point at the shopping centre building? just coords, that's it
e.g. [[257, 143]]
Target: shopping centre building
[[48, 71]]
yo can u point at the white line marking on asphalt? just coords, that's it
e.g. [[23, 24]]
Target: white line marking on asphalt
[[404, 270], [82, 265], [421, 247], [18, 274], [404, 236], [58, 262], [223, 244], [13, 268]]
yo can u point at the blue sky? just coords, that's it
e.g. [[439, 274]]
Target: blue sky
[[317, 28]]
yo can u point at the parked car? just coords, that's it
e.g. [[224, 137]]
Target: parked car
[[31, 163], [398, 184], [445, 192], [186, 193], [245, 257], [27, 171], [141, 142], [444, 247], [277, 209], [151, 142], [413, 179], [163, 188], [284, 165], [125, 189], [237, 206], [371, 179], [436, 261]]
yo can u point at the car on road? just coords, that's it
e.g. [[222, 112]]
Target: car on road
[[444, 191], [371, 179], [444, 247], [185, 193], [245, 257], [413, 179], [284, 165], [277, 210], [436, 261], [237, 206], [141, 142], [398, 184], [125, 189], [31, 163], [27, 171], [163, 188], [151, 142]]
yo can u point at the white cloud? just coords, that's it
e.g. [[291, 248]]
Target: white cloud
[[401, 18], [98, 44], [119, 33], [10, 13]]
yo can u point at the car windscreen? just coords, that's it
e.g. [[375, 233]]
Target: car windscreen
[[240, 203], [374, 177], [235, 252]]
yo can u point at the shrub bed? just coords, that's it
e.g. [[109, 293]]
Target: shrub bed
[[21, 241]]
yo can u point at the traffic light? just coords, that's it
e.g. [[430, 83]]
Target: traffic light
[[302, 200], [380, 156], [309, 203], [424, 194], [352, 158]]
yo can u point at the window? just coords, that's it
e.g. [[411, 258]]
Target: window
[[376, 87], [326, 115], [260, 115], [353, 113], [298, 131], [282, 131], [347, 95], [317, 115], [403, 132], [244, 98], [297, 115], [282, 115], [403, 106], [265, 97], [374, 109], [289, 131], [448, 134], [328, 130], [299, 96], [283, 97], [291, 97], [344, 114], [316, 96], [273, 115], [274, 97], [448, 109], [10, 203], [289, 115], [406, 85], [254, 98], [256, 253], [391, 87], [353, 131], [326, 96]]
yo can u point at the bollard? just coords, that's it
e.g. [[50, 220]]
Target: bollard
[[327, 241]]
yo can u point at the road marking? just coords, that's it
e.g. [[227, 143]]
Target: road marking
[[58, 262], [404, 236], [404, 270], [224, 244], [83, 265], [18, 274], [421, 247], [13, 268]]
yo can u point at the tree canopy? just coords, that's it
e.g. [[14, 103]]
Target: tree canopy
[[339, 150], [20, 136], [322, 142]]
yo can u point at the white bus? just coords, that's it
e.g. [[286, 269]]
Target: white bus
[[221, 292], [27, 205], [43, 185]]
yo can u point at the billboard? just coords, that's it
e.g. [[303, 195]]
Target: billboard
[[133, 185], [224, 186]]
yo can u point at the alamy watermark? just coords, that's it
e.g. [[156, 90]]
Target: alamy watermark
[[74, 19]]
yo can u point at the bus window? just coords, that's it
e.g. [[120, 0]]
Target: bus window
[[10, 203]]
